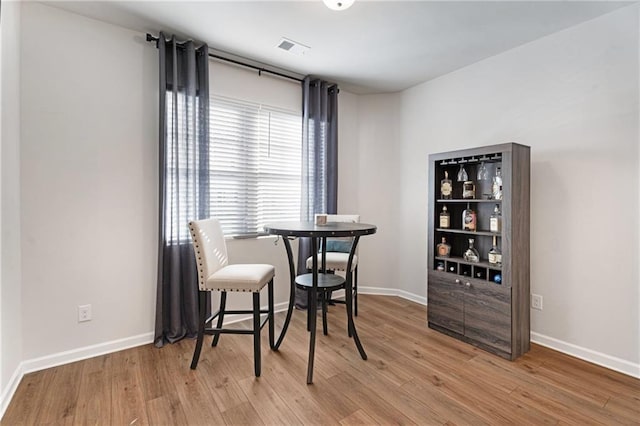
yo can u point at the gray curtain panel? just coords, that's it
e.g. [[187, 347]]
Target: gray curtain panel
[[319, 160], [184, 183]]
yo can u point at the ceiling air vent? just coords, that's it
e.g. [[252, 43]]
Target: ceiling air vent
[[292, 46]]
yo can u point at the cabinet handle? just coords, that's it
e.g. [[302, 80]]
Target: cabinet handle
[[468, 284], [457, 281]]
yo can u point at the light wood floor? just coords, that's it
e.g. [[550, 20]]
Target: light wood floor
[[414, 375]]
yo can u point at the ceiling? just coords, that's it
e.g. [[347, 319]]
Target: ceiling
[[372, 47]]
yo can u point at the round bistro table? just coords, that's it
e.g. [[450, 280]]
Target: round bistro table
[[316, 279]]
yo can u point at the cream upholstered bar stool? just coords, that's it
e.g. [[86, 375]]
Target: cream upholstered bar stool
[[337, 259], [215, 274]]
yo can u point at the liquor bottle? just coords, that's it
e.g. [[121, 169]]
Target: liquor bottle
[[471, 255], [495, 222], [446, 189], [443, 249], [468, 190], [445, 218], [468, 219], [496, 187], [495, 255]]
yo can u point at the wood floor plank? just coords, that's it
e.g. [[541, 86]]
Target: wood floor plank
[[243, 414], [94, 395], [567, 381], [127, 399], [224, 390], [429, 394], [359, 418], [372, 375], [59, 404], [625, 406], [165, 410], [238, 348], [413, 375], [154, 385], [589, 374], [556, 407], [162, 402], [191, 386], [326, 396], [270, 407], [31, 392], [298, 338], [380, 410], [298, 397]]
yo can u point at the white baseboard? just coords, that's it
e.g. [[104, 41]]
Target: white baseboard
[[10, 390], [598, 358], [79, 354], [378, 291], [604, 360], [53, 360], [67, 357], [422, 300]]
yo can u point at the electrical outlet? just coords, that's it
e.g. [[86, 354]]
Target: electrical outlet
[[536, 301], [84, 313]]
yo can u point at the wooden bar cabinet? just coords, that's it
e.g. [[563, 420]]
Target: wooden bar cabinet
[[476, 299]]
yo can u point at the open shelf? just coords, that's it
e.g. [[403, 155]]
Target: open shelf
[[460, 231], [468, 200], [461, 261]]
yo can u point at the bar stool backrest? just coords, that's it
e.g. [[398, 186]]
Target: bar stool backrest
[[210, 248]]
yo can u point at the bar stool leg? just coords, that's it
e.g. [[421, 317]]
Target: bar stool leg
[[203, 306], [223, 304], [256, 333]]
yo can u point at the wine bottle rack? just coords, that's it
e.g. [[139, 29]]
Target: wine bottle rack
[[478, 302]]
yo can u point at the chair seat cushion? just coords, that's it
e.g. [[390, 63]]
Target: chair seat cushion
[[335, 261], [241, 277]]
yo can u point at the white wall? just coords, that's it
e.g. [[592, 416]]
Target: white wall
[[348, 153], [89, 185], [378, 177], [368, 177], [573, 97], [243, 83], [89, 222], [10, 291]]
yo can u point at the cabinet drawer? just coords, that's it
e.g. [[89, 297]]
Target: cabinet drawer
[[487, 314], [446, 302]]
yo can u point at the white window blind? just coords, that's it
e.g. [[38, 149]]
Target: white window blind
[[255, 165]]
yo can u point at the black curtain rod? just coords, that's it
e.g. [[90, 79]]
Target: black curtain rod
[[260, 70]]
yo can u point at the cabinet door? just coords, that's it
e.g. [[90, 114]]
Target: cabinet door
[[446, 302], [487, 314]]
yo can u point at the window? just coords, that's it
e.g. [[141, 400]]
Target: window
[[255, 165]]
